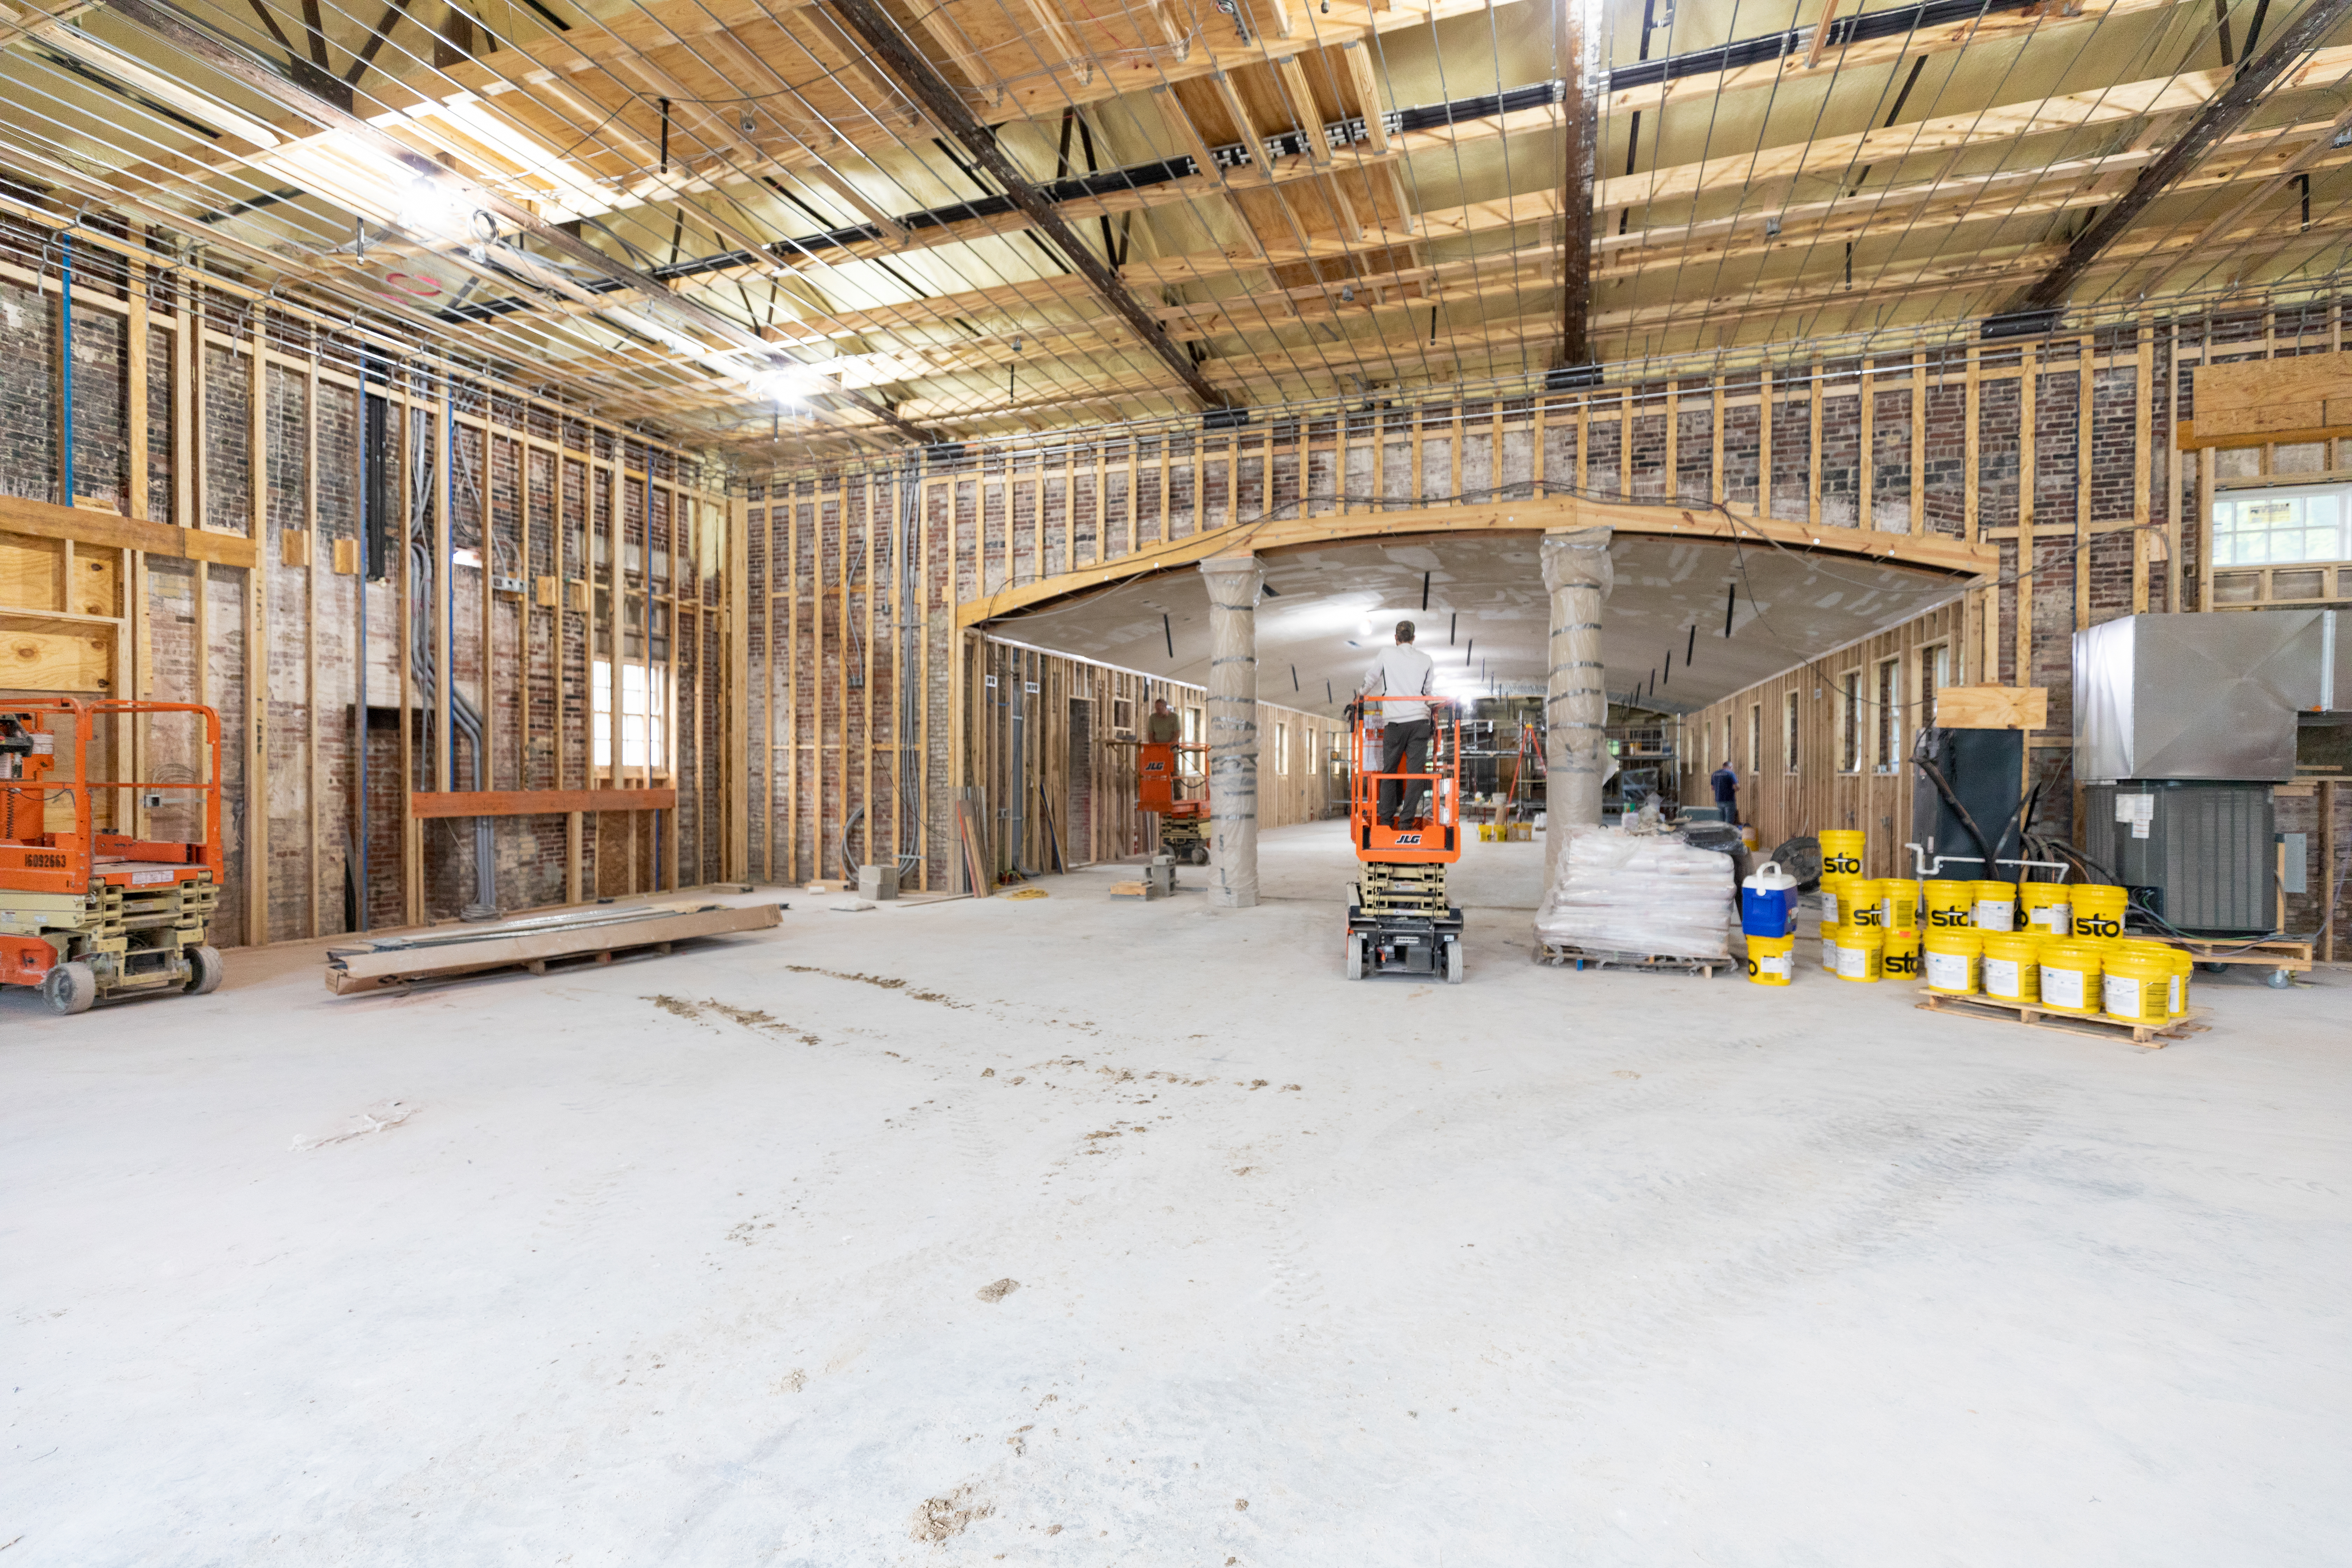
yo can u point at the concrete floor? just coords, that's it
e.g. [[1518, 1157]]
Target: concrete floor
[[702, 1260]]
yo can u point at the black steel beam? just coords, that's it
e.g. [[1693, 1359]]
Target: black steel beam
[[2215, 121], [946, 107]]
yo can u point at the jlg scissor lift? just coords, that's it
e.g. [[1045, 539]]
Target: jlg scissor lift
[[1399, 922], [87, 913], [1158, 791]]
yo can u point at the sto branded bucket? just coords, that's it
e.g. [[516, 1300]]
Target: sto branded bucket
[[1841, 852], [2010, 970], [1842, 900], [1829, 948], [1996, 905], [1901, 954], [2099, 909], [2070, 976], [1861, 952], [2182, 967], [1949, 903], [1767, 902], [2137, 983], [1771, 960], [1951, 958], [2046, 906], [1898, 904]]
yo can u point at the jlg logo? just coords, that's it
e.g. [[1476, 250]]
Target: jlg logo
[[1404, 838]]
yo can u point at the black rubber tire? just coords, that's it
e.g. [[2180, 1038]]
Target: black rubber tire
[[1454, 958], [206, 969], [2214, 968], [1200, 855], [69, 988]]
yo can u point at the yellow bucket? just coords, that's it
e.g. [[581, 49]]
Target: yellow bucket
[[2070, 976], [1898, 902], [2183, 966], [1771, 960], [1996, 905], [1951, 958], [2099, 909], [1829, 948], [1842, 899], [1901, 961], [2139, 982], [2046, 906], [2010, 969], [1841, 852], [1949, 904], [1861, 952]]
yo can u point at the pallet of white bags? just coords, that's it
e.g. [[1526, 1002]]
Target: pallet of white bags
[[1562, 954]]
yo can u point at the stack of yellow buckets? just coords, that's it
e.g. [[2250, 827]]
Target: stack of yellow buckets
[[2059, 946], [1870, 926]]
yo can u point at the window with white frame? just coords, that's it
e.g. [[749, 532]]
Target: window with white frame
[[1789, 731], [1890, 713], [1935, 674], [2281, 525], [1755, 737], [644, 717], [1850, 721], [1281, 747]]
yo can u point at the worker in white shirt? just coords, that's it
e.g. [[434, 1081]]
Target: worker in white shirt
[[1402, 670]]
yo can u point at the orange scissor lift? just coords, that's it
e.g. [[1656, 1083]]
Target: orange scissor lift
[[1399, 922], [87, 913], [1159, 785]]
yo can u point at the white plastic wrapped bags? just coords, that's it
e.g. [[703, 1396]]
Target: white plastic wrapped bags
[[1621, 892]]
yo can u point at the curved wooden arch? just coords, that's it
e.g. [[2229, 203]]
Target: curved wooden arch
[[1931, 552]]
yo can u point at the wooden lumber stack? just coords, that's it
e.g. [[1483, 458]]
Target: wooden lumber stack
[[597, 934]]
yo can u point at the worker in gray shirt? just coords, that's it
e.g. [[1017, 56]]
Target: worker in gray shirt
[[1402, 670]]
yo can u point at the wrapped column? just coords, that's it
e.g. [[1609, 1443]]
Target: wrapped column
[[1576, 698], [1234, 583]]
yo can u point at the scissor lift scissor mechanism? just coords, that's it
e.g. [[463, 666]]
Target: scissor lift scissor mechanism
[[1400, 920]]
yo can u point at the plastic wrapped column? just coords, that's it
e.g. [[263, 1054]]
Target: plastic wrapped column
[[1234, 583], [1576, 700]]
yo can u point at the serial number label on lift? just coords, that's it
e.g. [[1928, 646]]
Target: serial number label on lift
[[143, 878]]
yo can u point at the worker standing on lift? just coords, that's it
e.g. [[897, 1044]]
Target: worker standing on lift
[[1402, 671], [1162, 726]]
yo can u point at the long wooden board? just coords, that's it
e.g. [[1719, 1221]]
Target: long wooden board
[[445, 954], [536, 802]]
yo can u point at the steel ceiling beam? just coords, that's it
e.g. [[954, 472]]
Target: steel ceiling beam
[[944, 104], [2213, 123]]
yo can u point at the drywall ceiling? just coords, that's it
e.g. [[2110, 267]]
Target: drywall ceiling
[[1329, 610]]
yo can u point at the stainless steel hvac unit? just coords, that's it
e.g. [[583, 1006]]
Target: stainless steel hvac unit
[[2182, 723], [2210, 696], [2196, 852]]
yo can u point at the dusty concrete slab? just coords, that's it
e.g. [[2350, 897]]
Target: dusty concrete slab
[[1056, 1231]]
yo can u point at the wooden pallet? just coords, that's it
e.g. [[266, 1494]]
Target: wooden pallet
[[2098, 1025], [597, 935], [1562, 954], [2281, 958]]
